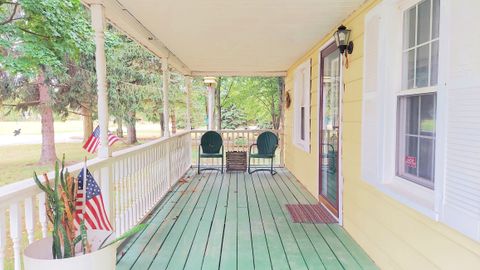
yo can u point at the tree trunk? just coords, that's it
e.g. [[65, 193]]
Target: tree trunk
[[274, 113], [162, 125], [173, 118], [48, 155], [87, 122], [218, 104], [131, 130], [281, 92], [206, 111], [119, 127], [131, 133]]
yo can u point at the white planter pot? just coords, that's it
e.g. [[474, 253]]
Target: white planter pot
[[38, 255]]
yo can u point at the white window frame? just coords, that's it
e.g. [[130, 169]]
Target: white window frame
[[414, 91], [390, 74], [301, 98]]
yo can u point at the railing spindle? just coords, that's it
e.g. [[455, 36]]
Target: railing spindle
[[42, 214], [3, 238], [16, 234], [29, 219]]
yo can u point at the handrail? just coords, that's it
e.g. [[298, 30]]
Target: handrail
[[11, 191], [132, 181]]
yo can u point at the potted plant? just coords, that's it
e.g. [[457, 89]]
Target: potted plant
[[71, 246]]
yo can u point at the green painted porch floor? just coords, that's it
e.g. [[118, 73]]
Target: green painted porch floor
[[239, 221]]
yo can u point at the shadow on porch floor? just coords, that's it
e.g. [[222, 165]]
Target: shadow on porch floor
[[239, 221]]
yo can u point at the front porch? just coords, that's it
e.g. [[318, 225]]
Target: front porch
[[238, 221]]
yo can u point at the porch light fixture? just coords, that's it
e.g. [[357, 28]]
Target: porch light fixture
[[210, 81], [342, 39]]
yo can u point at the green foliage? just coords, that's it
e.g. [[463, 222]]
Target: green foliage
[[60, 203], [131, 232], [254, 98], [199, 104], [51, 37], [42, 34], [134, 78], [232, 117]]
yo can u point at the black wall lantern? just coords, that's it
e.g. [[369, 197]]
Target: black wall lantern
[[342, 38]]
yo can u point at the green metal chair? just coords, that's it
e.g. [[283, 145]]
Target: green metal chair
[[328, 159], [211, 146], [267, 144]]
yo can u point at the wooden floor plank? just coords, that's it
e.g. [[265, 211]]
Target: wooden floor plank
[[244, 232], [139, 244], [213, 251], [278, 252], [261, 254], [327, 257], [183, 249], [228, 260], [148, 255], [189, 216], [196, 253]]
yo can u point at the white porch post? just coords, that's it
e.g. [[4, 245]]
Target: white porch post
[[166, 113], [210, 82], [188, 86], [211, 101], [98, 23]]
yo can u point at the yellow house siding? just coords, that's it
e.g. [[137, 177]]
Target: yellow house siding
[[394, 235], [297, 159]]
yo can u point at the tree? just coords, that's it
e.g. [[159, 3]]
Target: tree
[[218, 103], [257, 98], [78, 93], [198, 110], [133, 79], [36, 38], [176, 100], [233, 117]]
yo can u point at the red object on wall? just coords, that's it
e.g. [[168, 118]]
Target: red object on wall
[[411, 162]]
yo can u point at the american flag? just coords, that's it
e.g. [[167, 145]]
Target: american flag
[[91, 209], [93, 141]]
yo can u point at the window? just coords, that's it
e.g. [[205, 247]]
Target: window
[[301, 123], [420, 42], [416, 139], [416, 115]]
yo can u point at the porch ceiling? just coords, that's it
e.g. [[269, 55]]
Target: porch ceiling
[[236, 37]]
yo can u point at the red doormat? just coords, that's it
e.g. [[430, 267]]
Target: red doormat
[[310, 213]]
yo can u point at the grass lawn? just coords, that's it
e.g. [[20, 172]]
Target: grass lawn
[[19, 161]]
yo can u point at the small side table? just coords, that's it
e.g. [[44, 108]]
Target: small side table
[[236, 161]]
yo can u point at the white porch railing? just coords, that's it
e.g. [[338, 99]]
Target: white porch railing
[[237, 140], [133, 181]]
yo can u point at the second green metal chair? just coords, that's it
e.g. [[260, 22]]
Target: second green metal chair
[[267, 144]]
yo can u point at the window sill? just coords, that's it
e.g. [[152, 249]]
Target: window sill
[[412, 195], [302, 146]]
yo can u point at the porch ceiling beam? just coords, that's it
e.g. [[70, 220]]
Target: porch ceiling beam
[[239, 73], [125, 22]]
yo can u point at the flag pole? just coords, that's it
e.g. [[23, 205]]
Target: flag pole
[[84, 184]]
